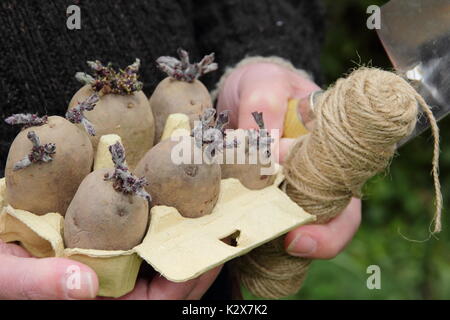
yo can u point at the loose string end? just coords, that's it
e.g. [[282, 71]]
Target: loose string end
[[437, 219]]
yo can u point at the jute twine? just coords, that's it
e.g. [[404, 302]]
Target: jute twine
[[359, 122]]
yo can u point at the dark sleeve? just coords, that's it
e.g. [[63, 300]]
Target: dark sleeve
[[234, 29], [39, 56]]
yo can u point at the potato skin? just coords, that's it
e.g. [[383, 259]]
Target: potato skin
[[128, 116], [248, 174], [102, 218], [173, 96], [191, 188], [49, 187]]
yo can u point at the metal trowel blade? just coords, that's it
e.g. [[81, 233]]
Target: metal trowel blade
[[416, 37]]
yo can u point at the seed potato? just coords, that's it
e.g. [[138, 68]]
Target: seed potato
[[48, 187]]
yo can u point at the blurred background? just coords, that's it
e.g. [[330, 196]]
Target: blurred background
[[398, 202]]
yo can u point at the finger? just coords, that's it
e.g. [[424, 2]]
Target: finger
[[264, 89], [302, 86], [280, 149], [159, 288], [50, 278], [204, 283], [328, 240], [228, 98], [13, 250], [140, 291], [162, 289], [284, 148]]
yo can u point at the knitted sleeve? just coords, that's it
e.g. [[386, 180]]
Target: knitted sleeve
[[40, 55], [236, 29]]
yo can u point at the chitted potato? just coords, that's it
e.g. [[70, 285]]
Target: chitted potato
[[193, 189], [248, 162], [249, 174], [122, 109], [174, 96], [45, 187], [128, 116], [99, 217], [181, 92]]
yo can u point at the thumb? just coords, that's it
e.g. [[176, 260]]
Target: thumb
[[45, 279], [325, 241]]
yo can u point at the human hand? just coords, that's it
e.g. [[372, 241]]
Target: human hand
[[23, 277], [267, 87], [264, 87], [157, 287]]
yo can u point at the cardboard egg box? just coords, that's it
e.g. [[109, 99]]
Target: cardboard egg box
[[178, 248]]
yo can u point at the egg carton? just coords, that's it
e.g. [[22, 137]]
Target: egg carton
[[178, 248]]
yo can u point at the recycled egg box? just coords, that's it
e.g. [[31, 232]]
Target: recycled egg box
[[178, 248]]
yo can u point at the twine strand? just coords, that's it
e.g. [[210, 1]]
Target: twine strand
[[437, 219]]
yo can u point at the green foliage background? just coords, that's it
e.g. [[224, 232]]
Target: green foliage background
[[400, 200]]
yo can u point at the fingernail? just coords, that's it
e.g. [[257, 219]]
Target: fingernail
[[302, 246], [79, 285]]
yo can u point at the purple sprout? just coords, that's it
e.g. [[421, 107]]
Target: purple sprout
[[39, 153], [26, 120], [76, 115], [107, 80], [211, 134], [260, 138], [124, 180], [182, 69]]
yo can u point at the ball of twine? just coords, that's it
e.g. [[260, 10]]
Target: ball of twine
[[359, 122]]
